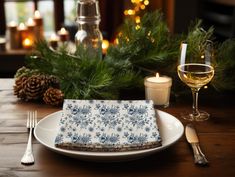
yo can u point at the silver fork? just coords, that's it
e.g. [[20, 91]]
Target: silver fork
[[28, 158]]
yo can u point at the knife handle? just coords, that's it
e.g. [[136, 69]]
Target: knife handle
[[199, 157]]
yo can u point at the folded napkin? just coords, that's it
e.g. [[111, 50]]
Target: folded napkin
[[108, 125]]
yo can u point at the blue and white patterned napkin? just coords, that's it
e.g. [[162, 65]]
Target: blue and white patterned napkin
[[108, 125]]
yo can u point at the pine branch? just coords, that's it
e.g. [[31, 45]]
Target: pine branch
[[224, 78]]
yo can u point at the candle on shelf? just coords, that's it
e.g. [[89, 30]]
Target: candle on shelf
[[27, 43], [2, 44], [31, 28], [53, 41], [105, 46], [158, 89], [23, 32], [63, 34], [13, 35], [38, 20]]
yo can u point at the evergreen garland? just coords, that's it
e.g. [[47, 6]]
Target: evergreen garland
[[140, 52], [147, 48], [82, 76], [224, 79]]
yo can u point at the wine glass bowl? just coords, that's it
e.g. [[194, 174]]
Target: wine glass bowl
[[195, 70]]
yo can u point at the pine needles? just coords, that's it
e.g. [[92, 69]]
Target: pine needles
[[142, 50]]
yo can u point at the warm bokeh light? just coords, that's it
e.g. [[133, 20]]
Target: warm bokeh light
[[157, 75], [54, 37], [142, 6], [27, 43], [137, 19], [105, 46], [63, 31], [137, 27], [22, 26], [146, 2], [37, 14], [116, 41], [131, 12], [135, 11], [12, 24], [30, 22]]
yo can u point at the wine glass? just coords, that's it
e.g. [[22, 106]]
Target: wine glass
[[195, 70]]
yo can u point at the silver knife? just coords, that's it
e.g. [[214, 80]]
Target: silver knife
[[192, 138]]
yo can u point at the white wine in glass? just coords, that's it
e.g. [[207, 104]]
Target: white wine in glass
[[196, 71]]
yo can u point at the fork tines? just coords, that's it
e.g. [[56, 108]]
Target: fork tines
[[31, 119]]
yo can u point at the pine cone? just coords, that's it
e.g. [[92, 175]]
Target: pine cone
[[53, 96], [25, 72], [34, 87], [19, 87], [51, 81]]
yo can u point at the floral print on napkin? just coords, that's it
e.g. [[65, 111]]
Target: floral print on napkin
[[108, 125]]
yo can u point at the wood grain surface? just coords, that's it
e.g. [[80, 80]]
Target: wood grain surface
[[217, 139]]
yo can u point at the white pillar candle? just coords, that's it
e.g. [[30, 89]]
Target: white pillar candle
[[158, 89], [31, 28], [13, 36], [63, 34], [53, 41], [38, 20]]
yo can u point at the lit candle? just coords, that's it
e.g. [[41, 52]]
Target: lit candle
[[13, 35], [38, 20], [105, 46], [27, 43], [158, 89], [30, 22], [54, 41], [63, 34], [31, 29], [23, 32]]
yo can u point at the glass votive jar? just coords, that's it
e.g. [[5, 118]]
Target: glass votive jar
[[158, 89]]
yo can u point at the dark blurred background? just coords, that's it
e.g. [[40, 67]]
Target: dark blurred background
[[58, 13]]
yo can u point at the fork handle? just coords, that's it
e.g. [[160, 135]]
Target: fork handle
[[199, 157], [28, 155]]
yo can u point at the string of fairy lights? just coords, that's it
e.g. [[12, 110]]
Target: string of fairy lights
[[138, 7], [134, 12]]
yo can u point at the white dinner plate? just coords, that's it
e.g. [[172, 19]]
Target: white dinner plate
[[171, 129]]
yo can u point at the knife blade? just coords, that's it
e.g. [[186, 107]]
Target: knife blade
[[192, 138]]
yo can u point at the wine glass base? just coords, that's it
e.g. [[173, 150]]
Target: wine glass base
[[203, 115]]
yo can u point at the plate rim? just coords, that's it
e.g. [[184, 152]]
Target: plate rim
[[105, 154]]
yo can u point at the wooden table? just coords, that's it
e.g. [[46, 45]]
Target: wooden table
[[217, 137]]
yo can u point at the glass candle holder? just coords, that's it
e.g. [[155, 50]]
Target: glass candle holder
[[158, 89], [89, 35]]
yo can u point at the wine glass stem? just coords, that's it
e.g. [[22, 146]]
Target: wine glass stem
[[195, 91]]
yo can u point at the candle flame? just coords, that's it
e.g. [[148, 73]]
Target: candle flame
[[30, 22], [54, 37], [37, 14], [63, 31], [22, 26], [157, 75], [27, 42], [12, 24]]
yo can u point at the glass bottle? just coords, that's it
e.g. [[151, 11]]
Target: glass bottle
[[88, 20]]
